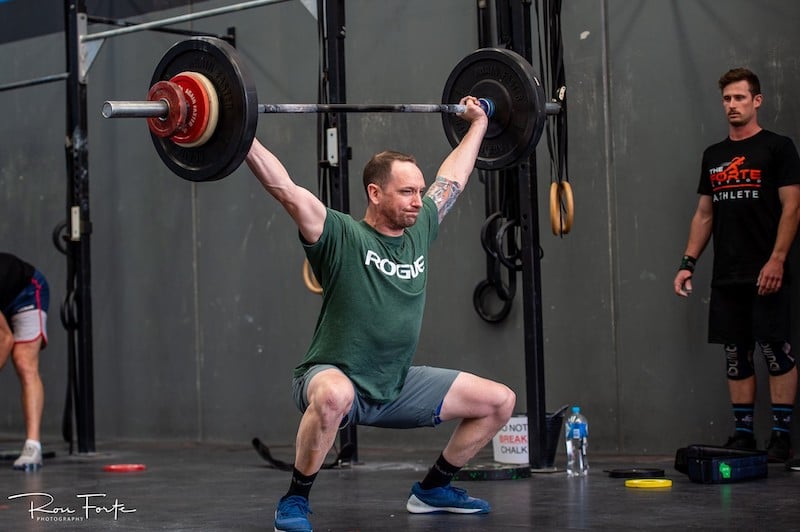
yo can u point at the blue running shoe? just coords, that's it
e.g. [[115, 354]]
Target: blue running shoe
[[291, 515], [444, 500]]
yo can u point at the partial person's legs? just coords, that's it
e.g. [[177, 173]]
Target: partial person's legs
[[6, 340], [730, 322], [26, 362], [483, 406], [28, 320], [742, 390], [771, 327], [783, 390], [330, 396]]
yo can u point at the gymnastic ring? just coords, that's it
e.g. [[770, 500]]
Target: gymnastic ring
[[69, 312], [505, 292], [59, 240], [569, 206], [487, 224], [561, 194], [477, 303], [512, 262], [308, 277]]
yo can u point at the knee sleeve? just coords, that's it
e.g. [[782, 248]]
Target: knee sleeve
[[778, 356], [740, 362]]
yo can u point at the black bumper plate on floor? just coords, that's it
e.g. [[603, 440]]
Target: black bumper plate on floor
[[636, 473], [493, 471]]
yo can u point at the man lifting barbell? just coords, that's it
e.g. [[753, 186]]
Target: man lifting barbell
[[202, 113], [358, 366]]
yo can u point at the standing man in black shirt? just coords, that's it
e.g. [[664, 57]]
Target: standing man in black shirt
[[750, 202]]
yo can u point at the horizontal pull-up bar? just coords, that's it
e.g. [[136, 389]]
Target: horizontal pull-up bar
[[177, 20], [35, 81]]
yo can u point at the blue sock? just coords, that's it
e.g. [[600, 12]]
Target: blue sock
[[743, 416], [781, 417]]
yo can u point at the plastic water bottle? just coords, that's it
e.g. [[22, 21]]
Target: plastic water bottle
[[576, 436]]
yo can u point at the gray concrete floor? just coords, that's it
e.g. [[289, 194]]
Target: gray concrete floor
[[190, 486]]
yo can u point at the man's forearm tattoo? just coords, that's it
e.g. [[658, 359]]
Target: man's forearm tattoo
[[443, 192]]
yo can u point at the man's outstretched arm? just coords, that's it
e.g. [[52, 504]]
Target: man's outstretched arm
[[455, 170], [305, 208]]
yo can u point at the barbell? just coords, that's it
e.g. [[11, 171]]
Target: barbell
[[202, 107]]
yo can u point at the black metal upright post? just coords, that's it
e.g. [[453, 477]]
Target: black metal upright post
[[336, 77], [78, 300], [338, 186], [532, 312], [514, 31]]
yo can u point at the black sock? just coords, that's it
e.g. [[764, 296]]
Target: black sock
[[782, 417], [743, 416], [440, 474], [301, 484]]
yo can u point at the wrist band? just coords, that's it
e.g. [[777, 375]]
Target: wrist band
[[687, 263]]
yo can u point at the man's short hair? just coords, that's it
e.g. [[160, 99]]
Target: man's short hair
[[741, 74], [379, 167]]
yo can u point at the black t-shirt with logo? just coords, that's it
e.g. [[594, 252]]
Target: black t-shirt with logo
[[15, 274], [743, 177]]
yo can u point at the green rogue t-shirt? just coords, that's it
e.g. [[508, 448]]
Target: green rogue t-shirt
[[372, 301]]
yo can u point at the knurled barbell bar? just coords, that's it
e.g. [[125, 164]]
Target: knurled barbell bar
[[160, 108], [202, 109]]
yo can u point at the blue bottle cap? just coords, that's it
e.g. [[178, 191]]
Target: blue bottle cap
[[576, 409]]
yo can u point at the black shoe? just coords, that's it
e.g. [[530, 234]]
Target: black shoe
[[779, 448], [793, 465], [742, 440]]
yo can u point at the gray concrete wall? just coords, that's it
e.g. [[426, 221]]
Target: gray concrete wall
[[200, 312]]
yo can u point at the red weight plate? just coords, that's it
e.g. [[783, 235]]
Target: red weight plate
[[176, 116], [197, 109], [213, 110], [237, 113], [124, 468]]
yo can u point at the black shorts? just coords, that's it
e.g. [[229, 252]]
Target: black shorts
[[738, 315]]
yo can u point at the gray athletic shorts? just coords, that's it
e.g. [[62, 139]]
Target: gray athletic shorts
[[418, 405]]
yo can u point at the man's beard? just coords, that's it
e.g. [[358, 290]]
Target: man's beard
[[736, 120]]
